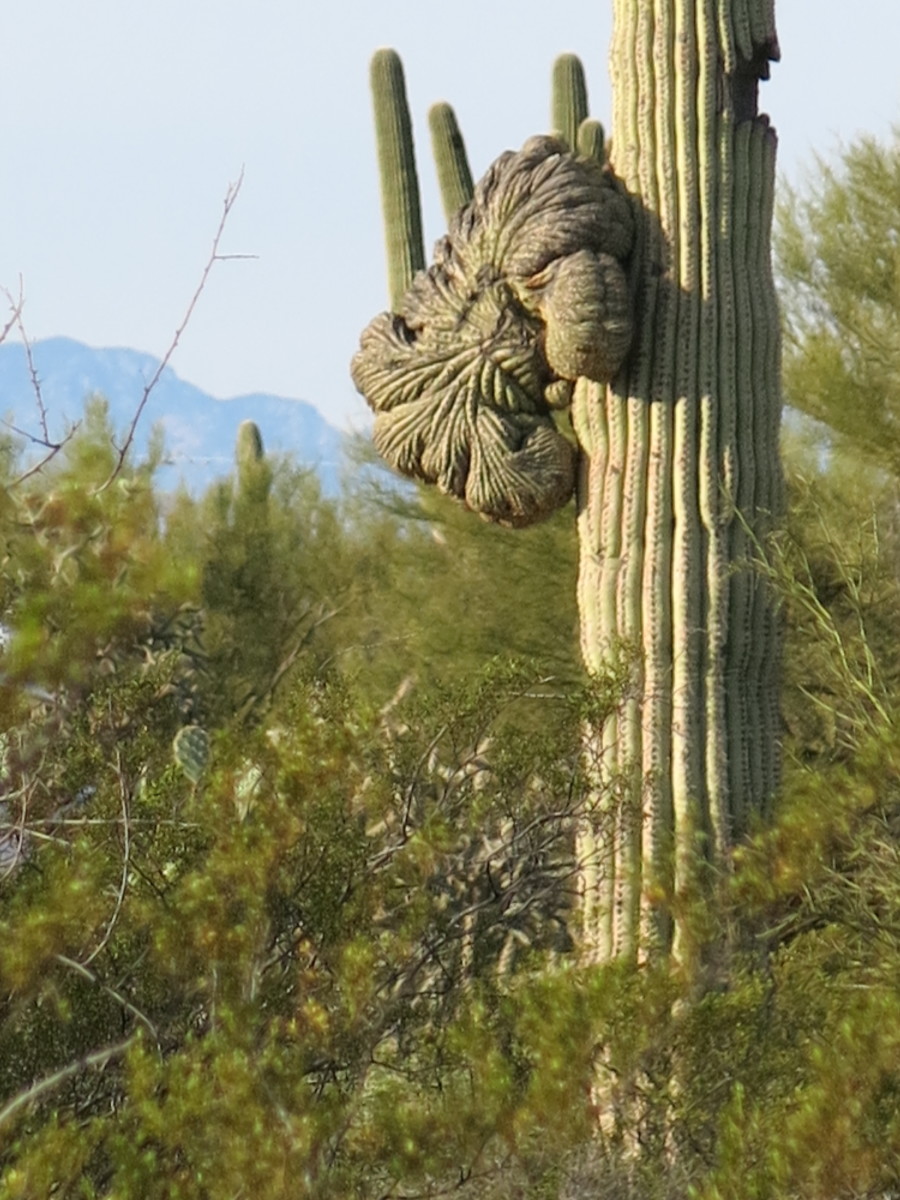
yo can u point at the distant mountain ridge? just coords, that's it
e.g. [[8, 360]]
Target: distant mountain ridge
[[199, 429]]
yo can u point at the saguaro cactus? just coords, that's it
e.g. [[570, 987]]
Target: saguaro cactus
[[678, 475], [254, 475]]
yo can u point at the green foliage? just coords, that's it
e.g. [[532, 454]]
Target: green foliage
[[277, 965], [835, 567], [82, 562], [339, 963], [273, 572], [838, 259], [343, 967], [446, 593], [824, 884], [293, 978]]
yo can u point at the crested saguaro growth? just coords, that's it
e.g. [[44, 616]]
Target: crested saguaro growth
[[643, 301], [525, 296]]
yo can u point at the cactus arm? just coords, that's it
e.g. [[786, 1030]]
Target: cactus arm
[[569, 104], [451, 161], [249, 446], [254, 477], [591, 140], [401, 207]]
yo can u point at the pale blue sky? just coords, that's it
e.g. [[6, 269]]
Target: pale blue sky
[[123, 124]]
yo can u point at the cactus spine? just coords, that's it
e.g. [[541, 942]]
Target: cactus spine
[[680, 470]]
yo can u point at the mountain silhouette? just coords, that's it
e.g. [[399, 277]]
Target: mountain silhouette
[[199, 430]]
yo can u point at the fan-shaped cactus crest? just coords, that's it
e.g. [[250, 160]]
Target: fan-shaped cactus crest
[[526, 294]]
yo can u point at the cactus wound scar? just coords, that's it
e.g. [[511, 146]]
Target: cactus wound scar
[[526, 294]]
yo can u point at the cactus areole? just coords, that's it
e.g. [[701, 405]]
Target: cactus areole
[[673, 385]]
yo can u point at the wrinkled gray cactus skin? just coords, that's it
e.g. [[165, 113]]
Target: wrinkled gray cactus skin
[[526, 295]]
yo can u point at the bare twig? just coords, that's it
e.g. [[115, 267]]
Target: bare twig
[[53, 448], [231, 196], [82, 970], [39, 466], [35, 441], [35, 380], [98, 1059], [16, 307], [126, 858]]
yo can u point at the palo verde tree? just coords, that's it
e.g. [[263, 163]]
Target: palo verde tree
[[838, 260], [641, 299]]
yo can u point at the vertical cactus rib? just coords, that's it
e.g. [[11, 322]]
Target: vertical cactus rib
[[687, 481], [603, 435], [594, 848], [743, 585], [569, 98], [716, 406], [659, 347], [731, 220], [688, 702], [450, 159], [400, 202], [770, 418], [742, 26], [768, 493], [758, 649]]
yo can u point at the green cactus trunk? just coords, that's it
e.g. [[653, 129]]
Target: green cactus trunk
[[680, 478]]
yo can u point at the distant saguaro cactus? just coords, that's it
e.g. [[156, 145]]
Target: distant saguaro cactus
[[254, 475], [678, 473]]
